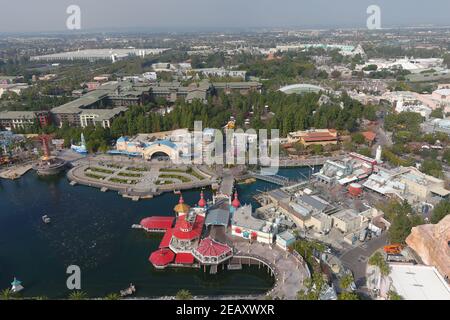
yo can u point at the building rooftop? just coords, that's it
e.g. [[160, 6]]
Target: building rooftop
[[419, 282], [11, 115], [314, 202], [217, 217], [286, 236], [244, 218], [347, 215]]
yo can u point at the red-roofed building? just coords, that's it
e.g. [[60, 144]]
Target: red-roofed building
[[186, 233], [188, 230], [370, 137], [212, 252], [311, 137], [184, 258], [162, 258], [157, 224]]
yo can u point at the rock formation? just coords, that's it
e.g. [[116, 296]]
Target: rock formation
[[432, 243]]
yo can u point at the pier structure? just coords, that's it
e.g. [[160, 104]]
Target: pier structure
[[197, 238]]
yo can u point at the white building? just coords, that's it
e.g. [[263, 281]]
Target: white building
[[416, 282], [245, 225], [222, 72]]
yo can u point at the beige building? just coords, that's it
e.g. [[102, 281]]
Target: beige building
[[315, 136], [421, 186], [349, 220]]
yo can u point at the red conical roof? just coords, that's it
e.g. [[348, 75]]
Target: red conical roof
[[236, 202], [202, 202]]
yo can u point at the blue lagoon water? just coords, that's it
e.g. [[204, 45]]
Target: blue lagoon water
[[92, 229]]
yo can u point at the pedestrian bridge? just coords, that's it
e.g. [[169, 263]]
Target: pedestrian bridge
[[275, 179]]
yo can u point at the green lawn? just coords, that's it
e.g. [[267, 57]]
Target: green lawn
[[174, 176], [129, 174]]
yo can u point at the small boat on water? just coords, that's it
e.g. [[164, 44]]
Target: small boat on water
[[177, 192], [16, 286], [46, 219], [129, 291]]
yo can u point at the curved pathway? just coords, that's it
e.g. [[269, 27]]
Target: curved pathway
[[289, 271]]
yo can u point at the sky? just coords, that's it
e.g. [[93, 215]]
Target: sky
[[186, 15]]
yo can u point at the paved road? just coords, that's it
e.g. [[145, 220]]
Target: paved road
[[356, 259], [383, 138]]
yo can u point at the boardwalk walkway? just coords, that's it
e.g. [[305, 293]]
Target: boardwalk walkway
[[289, 271]]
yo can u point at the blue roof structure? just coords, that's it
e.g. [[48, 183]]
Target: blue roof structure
[[217, 217], [122, 139], [166, 143], [16, 283], [130, 154]]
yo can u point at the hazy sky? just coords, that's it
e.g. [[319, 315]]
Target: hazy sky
[[50, 15]]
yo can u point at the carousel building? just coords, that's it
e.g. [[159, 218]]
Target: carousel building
[[210, 252]]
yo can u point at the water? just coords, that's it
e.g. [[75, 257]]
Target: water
[[92, 229]]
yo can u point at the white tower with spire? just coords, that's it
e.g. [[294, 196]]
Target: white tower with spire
[[378, 154]]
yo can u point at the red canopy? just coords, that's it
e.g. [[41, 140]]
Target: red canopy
[[159, 223], [184, 258], [211, 248], [162, 257], [166, 239]]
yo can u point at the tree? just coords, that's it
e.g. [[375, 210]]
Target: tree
[[348, 296], [447, 60], [346, 281], [184, 295], [6, 294], [358, 138], [437, 113], [432, 167], [371, 67], [113, 296], [446, 156], [441, 210], [77, 295], [378, 260], [314, 287], [392, 295]]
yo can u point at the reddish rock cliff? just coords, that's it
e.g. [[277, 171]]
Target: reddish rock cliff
[[431, 243]]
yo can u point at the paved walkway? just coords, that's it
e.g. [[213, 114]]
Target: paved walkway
[[145, 185], [289, 271], [15, 172]]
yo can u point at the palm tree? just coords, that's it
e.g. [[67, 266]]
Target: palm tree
[[6, 294], [346, 281], [112, 296], [77, 295], [348, 296], [184, 295]]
